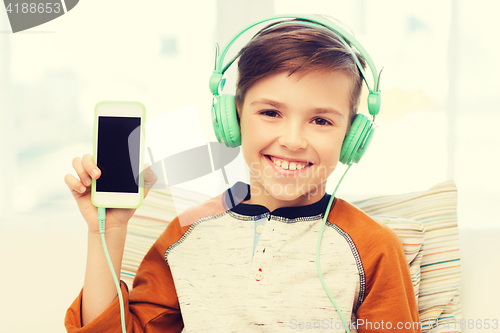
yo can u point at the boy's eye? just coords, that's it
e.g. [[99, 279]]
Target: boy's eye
[[270, 113], [321, 121]]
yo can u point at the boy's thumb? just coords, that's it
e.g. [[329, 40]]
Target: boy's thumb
[[150, 177]]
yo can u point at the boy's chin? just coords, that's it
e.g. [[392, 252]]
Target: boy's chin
[[295, 195]]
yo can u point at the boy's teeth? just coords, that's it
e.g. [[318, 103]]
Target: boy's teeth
[[288, 165]]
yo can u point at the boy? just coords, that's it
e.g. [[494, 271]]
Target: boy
[[245, 261]]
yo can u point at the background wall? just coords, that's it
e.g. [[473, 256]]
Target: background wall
[[438, 119]]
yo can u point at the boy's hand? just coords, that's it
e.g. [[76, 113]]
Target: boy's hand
[[81, 191]]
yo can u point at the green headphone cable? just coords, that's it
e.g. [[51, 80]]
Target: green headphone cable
[[318, 266], [101, 216]]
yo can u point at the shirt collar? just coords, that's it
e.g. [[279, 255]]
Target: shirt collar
[[240, 191]]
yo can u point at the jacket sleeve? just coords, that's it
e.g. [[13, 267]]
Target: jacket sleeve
[[389, 303], [151, 306]]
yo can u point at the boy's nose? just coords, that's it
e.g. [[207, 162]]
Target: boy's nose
[[292, 137]]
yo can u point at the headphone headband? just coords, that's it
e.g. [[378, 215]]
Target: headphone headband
[[343, 35]]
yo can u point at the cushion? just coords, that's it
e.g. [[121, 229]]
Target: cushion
[[436, 209]]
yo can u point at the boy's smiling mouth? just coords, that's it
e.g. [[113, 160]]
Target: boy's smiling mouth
[[288, 164]]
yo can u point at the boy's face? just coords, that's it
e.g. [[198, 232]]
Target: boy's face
[[292, 129]]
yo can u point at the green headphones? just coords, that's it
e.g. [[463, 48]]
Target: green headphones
[[224, 118]]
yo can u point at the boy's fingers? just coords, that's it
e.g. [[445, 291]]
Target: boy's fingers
[[74, 184], [90, 167], [84, 176]]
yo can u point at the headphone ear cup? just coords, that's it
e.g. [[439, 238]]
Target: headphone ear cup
[[227, 129], [357, 140], [216, 123]]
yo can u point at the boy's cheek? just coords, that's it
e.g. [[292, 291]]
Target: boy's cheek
[[255, 169]]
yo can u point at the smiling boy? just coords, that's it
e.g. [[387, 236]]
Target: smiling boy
[[244, 261]]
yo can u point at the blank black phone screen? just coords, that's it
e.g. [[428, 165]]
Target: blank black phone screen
[[118, 149]]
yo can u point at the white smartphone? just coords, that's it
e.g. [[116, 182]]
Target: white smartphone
[[119, 154]]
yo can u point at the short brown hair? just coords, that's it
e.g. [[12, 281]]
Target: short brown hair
[[296, 46]]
